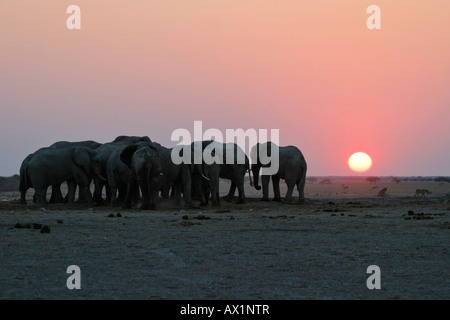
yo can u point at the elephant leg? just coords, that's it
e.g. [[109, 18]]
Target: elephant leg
[[56, 196], [113, 194], [205, 194], [265, 187], [197, 187], [122, 189], [41, 195], [241, 193], [288, 197], [152, 186], [145, 196], [176, 188], [231, 193], [186, 186], [71, 190], [276, 188], [131, 190], [165, 190], [98, 190], [84, 192], [23, 196], [214, 195]]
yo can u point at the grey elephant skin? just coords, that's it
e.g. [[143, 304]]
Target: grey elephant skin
[[175, 176], [234, 171], [210, 183], [292, 168], [25, 182], [113, 169], [56, 196], [49, 166], [145, 166]]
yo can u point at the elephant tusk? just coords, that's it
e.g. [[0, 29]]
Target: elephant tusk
[[205, 177]]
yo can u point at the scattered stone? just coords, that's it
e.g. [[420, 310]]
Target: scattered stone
[[333, 214], [59, 221], [410, 212], [226, 211], [18, 225], [182, 211], [118, 214], [45, 229], [352, 215], [185, 217], [111, 215], [37, 226], [43, 209], [202, 217]]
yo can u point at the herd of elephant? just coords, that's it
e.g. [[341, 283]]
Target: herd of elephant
[[137, 172]]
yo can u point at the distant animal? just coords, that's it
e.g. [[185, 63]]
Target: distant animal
[[420, 193], [382, 192]]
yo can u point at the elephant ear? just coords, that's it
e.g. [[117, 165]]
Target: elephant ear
[[153, 146], [127, 154], [82, 158]]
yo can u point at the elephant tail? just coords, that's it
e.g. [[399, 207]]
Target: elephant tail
[[301, 182], [250, 177], [25, 182]]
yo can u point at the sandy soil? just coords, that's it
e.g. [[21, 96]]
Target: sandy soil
[[260, 250]]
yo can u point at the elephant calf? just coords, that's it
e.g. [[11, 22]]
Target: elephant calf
[[145, 165]]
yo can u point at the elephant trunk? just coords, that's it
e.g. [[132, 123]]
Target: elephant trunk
[[255, 171]]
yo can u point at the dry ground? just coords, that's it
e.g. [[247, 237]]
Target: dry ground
[[260, 250]]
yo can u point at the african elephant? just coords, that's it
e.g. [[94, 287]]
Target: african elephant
[[56, 189], [109, 157], [234, 170], [292, 168], [76, 165], [210, 185], [86, 143], [145, 166], [175, 176]]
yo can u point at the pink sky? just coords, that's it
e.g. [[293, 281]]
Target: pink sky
[[311, 69]]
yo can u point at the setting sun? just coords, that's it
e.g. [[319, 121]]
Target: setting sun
[[359, 162]]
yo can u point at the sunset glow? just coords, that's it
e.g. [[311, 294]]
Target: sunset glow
[[360, 162], [312, 69]]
